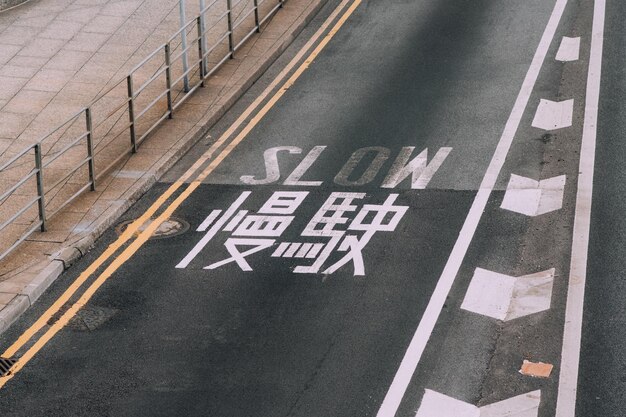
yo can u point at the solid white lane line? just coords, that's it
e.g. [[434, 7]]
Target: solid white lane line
[[425, 328], [566, 403]]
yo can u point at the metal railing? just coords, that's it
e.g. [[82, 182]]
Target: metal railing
[[38, 188]]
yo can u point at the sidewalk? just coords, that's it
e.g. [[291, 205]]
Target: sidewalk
[[58, 55]]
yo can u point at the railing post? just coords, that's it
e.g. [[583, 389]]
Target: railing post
[[256, 16], [203, 35], [231, 44], [168, 80], [92, 165], [40, 190], [131, 112], [282, 3], [183, 43], [200, 51]]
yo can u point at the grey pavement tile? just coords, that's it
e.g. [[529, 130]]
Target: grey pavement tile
[[29, 101], [17, 71], [28, 62], [80, 15], [69, 60], [4, 144], [61, 30], [104, 24], [9, 86], [14, 124], [42, 48], [86, 42], [49, 80], [18, 35], [36, 22], [120, 8], [7, 52]]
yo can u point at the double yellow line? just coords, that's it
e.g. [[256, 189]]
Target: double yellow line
[[133, 228]]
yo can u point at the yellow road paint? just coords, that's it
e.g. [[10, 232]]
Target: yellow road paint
[[133, 228]]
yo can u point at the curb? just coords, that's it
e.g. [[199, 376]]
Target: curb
[[68, 255]]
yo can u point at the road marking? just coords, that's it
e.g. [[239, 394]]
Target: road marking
[[435, 404], [533, 198], [505, 298], [552, 115], [569, 50], [144, 236], [425, 328], [566, 401]]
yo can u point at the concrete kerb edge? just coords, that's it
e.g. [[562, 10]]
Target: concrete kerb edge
[[65, 257]]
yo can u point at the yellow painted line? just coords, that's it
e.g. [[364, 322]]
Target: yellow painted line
[[131, 249], [131, 230]]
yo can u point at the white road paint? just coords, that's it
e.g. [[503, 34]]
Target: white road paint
[[435, 404], [420, 171], [425, 328], [533, 198], [569, 50], [570, 357], [235, 221], [505, 298], [302, 168], [380, 156], [272, 170], [213, 230], [232, 245], [209, 220], [552, 115]]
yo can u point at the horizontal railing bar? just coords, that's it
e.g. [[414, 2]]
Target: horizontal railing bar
[[192, 68], [270, 14], [69, 200], [19, 213], [105, 171], [148, 58], [207, 7], [218, 43], [184, 28], [64, 149], [242, 18], [150, 80], [123, 105], [150, 105], [154, 126], [186, 96], [245, 38], [69, 174], [21, 239], [218, 65], [18, 185], [67, 121], [192, 44], [16, 157]]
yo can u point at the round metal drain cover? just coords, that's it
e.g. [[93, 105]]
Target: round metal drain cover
[[170, 227]]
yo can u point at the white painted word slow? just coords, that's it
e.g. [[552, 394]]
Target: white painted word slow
[[418, 168], [332, 223], [439, 405]]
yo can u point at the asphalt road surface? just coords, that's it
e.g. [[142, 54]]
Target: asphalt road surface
[[394, 221]]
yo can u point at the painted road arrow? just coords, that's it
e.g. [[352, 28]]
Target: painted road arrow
[[532, 198], [552, 115], [435, 404], [505, 298], [569, 50]]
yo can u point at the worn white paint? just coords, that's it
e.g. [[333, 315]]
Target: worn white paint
[[213, 230], [236, 220], [552, 115], [280, 250], [419, 169], [380, 156], [533, 198], [303, 167], [435, 404], [505, 298], [272, 170], [568, 381], [569, 49], [232, 245], [283, 202], [209, 220], [425, 328]]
